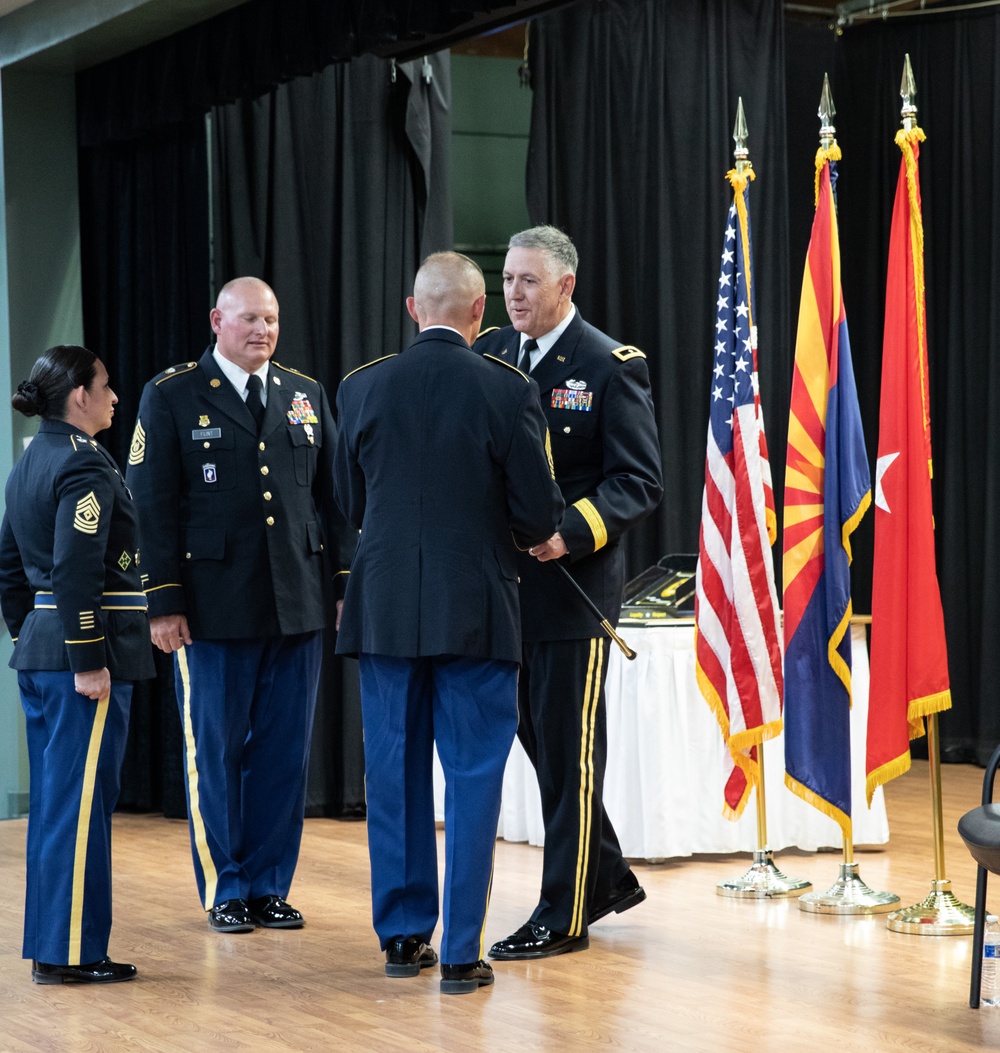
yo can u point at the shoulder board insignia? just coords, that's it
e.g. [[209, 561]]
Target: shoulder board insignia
[[628, 352], [492, 329], [175, 371], [507, 365], [288, 369], [374, 362], [82, 442]]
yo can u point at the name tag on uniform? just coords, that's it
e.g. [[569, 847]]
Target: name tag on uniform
[[206, 433], [565, 398]]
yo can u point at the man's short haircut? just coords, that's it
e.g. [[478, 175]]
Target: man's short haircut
[[447, 283], [551, 240]]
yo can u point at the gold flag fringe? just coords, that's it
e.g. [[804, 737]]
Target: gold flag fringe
[[811, 797], [824, 156]]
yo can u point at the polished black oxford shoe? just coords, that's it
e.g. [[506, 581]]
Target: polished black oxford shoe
[[407, 955], [536, 941], [629, 893], [464, 979], [231, 915], [272, 912], [103, 972]]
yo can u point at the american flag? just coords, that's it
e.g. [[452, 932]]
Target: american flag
[[737, 641]]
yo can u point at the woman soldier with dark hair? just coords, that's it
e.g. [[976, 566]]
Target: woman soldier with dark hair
[[72, 598]]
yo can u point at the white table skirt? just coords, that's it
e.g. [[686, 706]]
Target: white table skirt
[[663, 786]]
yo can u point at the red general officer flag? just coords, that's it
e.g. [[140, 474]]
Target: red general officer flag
[[909, 659]]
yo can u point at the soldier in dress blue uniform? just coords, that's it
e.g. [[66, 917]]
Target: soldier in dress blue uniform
[[73, 602], [596, 399], [231, 465], [442, 456]]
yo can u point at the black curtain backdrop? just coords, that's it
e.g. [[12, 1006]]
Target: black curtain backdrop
[[245, 51], [144, 249], [956, 63], [334, 185], [631, 134], [631, 138], [634, 108], [332, 188]]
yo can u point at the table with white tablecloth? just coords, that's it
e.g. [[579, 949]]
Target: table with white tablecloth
[[663, 786]]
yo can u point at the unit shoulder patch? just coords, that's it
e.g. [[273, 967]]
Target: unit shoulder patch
[[627, 352], [374, 362], [507, 365], [288, 369], [175, 371]]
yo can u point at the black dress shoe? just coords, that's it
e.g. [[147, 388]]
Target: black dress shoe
[[103, 972], [464, 979], [272, 912], [629, 893], [407, 955], [231, 915], [536, 941]]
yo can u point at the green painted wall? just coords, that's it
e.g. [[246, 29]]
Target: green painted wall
[[491, 117], [40, 304]]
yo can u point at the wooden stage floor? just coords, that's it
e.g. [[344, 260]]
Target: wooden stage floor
[[687, 970]]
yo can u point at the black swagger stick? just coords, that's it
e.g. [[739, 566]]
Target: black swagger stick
[[595, 610]]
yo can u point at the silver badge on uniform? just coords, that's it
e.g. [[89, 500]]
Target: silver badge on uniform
[[208, 471]]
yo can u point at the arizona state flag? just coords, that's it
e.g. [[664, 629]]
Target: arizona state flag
[[827, 491], [909, 659]]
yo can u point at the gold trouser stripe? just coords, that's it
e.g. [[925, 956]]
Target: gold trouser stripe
[[197, 823], [587, 720], [486, 908], [83, 830], [593, 519]]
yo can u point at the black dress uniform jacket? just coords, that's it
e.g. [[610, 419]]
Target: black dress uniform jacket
[[596, 399], [69, 560], [442, 455], [234, 527]]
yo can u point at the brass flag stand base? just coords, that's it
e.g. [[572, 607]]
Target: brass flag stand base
[[940, 914], [763, 881], [848, 895]]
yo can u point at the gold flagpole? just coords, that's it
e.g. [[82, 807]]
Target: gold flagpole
[[940, 913], [763, 880]]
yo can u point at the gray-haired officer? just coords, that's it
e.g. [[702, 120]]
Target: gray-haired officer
[[596, 399], [72, 600], [231, 466]]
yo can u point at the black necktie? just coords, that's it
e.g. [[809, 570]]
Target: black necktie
[[524, 362], [254, 387]]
